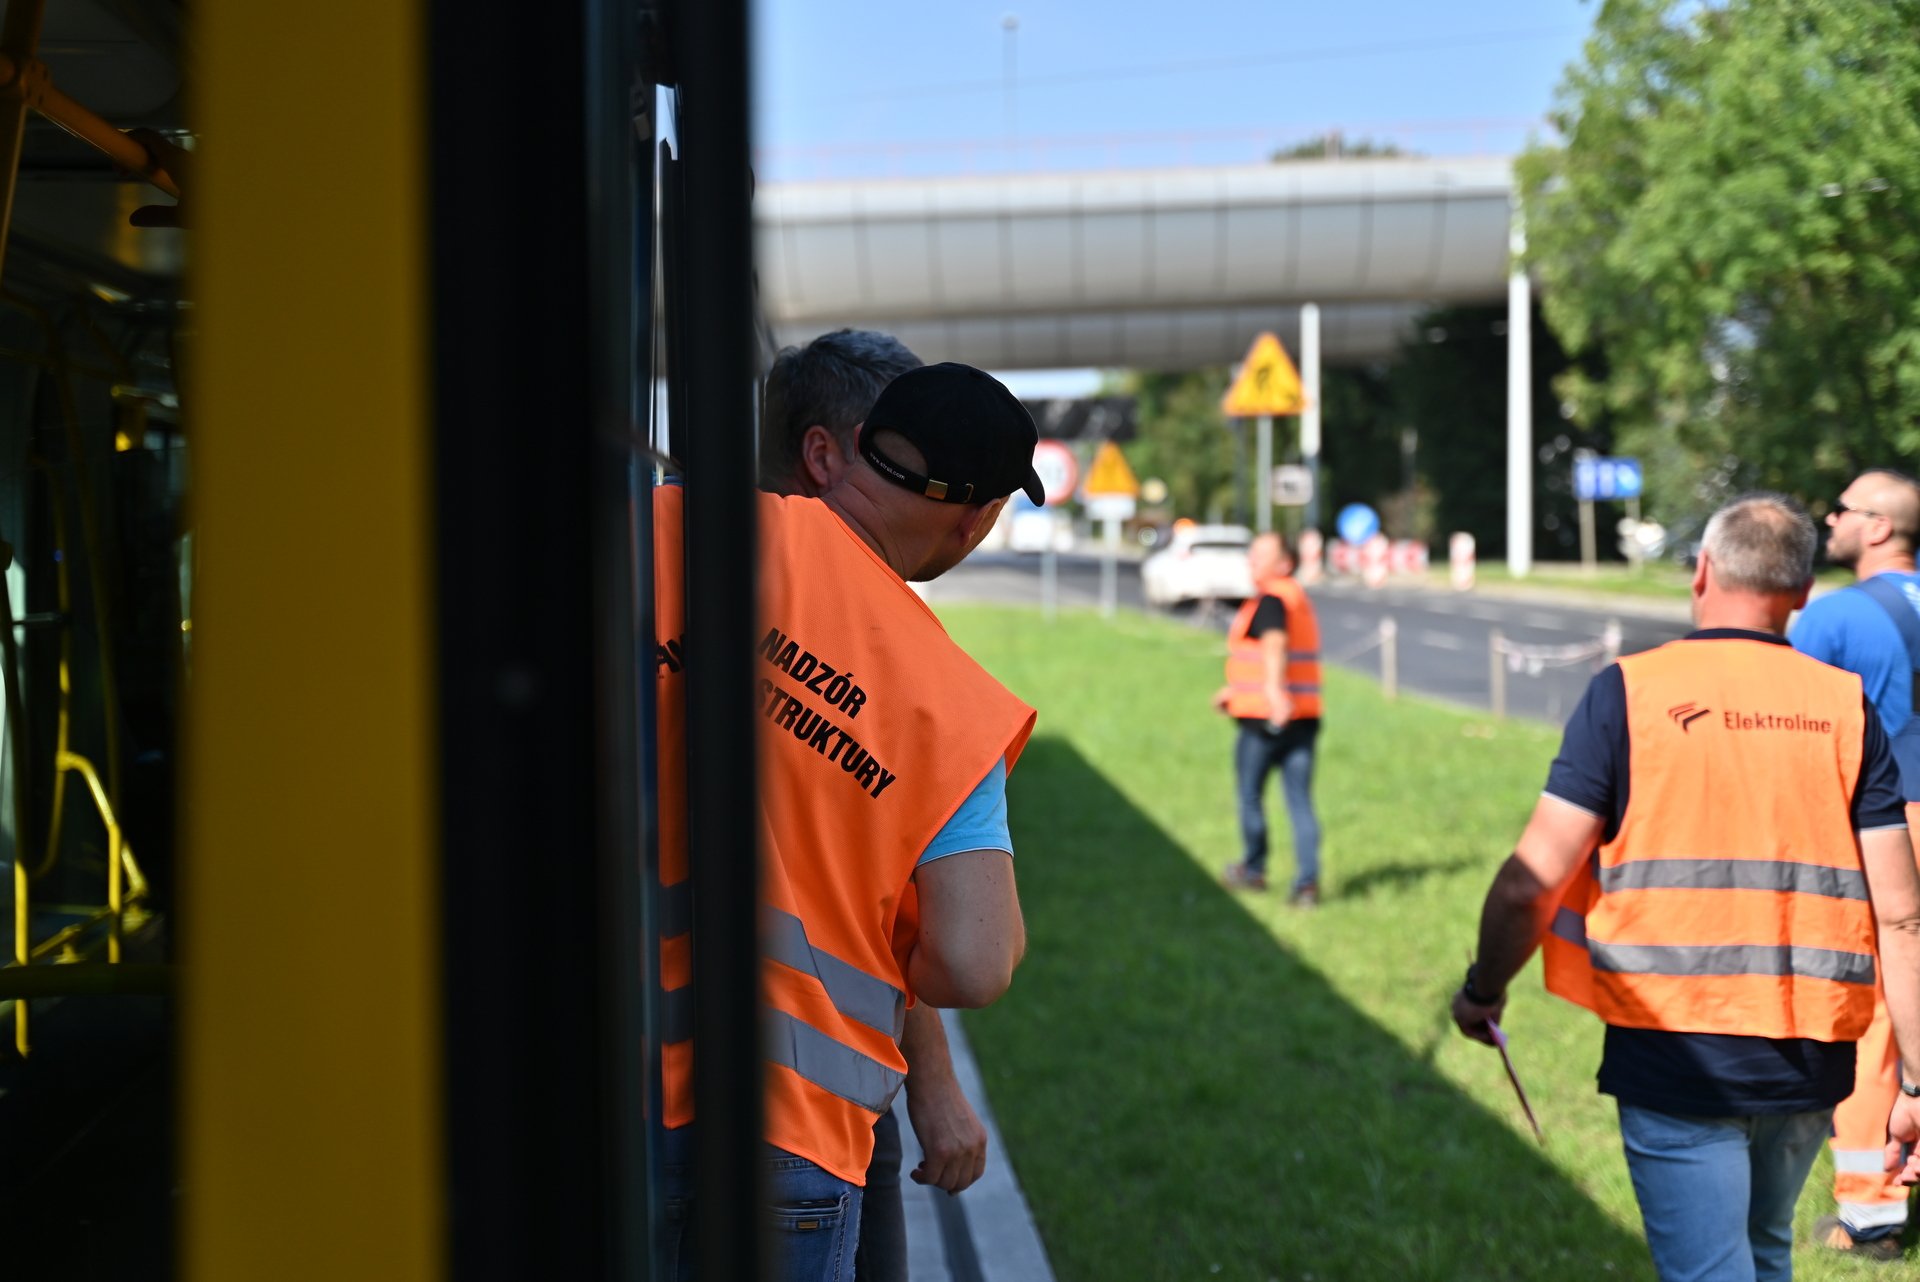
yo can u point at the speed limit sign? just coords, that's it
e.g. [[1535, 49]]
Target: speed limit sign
[[1059, 473]]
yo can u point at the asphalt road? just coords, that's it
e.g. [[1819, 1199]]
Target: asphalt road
[[1443, 638]]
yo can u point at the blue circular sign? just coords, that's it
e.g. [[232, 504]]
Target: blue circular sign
[[1357, 523]]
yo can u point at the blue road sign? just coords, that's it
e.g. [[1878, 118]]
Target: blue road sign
[[1357, 523], [1596, 479]]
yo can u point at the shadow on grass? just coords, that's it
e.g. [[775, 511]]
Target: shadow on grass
[[1184, 1098], [1401, 876]]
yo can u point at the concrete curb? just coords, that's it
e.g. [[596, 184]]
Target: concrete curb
[[985, 1234]]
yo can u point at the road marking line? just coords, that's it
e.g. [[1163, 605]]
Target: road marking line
[[1439, 640]]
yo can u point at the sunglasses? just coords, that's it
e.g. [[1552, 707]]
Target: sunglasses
[[1841, 507]]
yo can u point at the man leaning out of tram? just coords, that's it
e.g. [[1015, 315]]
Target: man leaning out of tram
[[816, 398], [881, 739]]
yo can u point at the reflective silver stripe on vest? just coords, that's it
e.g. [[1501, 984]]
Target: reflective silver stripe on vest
[[1731, 959], [676, 909], [833, 1067], [1570, 926], [676, 1014], [1860, 1161], [1303, 656], [857, 995], [1736, 874], [1303, 687]]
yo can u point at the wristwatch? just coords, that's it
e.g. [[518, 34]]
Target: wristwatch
[[1478, 998], [1910, 1089]]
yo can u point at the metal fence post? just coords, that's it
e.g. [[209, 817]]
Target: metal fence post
[[1389, 658], [1497, 672]]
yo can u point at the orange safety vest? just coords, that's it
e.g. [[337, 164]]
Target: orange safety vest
[[874, 727], [1246, 670], [1732, 898]]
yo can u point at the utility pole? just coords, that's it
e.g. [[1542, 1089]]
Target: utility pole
[[1310, 414], [1010, 24], [1519, 402]]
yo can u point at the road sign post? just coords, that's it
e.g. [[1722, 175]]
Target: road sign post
[[1266, 385], [1110, 495], [1059, 473], [1598, 479], [1588, 555], [1263, 468]]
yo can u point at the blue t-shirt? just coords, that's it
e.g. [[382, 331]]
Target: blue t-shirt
[[1850, 630], [1709, 1074], [980, 823]]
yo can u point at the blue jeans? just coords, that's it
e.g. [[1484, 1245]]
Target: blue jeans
[[1256, 753], [812, 1218], [882, 1256], [1717, 1193]]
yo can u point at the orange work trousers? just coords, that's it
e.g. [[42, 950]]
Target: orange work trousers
[[1867, 1195]]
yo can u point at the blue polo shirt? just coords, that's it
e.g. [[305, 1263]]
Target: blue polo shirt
[[1709, 1074], [1850, 630], [980, 823]]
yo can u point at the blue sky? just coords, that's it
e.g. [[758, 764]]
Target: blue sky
[[892, 87]]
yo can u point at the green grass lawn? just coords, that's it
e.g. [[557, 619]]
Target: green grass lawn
[[1662, 580], [1199, 1084]]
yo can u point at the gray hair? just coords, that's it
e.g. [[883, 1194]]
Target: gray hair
[[832, 381], [1761, 543]]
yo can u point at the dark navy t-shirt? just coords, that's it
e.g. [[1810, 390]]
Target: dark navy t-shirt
[[1709, 1074]]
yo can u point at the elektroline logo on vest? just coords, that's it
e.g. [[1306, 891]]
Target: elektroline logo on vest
[[1685, 714]]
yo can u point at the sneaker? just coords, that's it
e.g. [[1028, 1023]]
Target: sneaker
[[1829, 1232], [1307, 896], [1237, 876]]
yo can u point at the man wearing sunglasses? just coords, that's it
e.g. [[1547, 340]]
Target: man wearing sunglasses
[[1872, 629]]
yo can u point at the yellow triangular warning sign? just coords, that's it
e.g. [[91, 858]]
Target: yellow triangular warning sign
[[1110, 475], [1268, 383]]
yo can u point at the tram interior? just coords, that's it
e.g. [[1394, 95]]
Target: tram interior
[[93, 483]]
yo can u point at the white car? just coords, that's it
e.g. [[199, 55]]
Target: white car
[[1200, 562]]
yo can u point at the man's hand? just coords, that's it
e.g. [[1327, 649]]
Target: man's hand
[[1472, 1018], [952, 1141], [1220, 698], [1903, 1130], [1279, 709]]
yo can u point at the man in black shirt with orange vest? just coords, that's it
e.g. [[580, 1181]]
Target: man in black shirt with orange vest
[[1273, 693], [1719, 839]]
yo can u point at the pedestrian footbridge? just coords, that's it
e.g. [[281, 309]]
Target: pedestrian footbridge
[[1157, 269]]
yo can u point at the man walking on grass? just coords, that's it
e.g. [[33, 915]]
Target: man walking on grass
[[1719, 841]]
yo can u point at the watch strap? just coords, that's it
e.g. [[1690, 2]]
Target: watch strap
[[1472, 990]]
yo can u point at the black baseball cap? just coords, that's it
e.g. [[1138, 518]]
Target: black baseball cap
[[976, 436]]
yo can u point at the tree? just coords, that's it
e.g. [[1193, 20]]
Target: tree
[[1731, 219], [1183, 439], [1449, 383], [1334, 146]]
